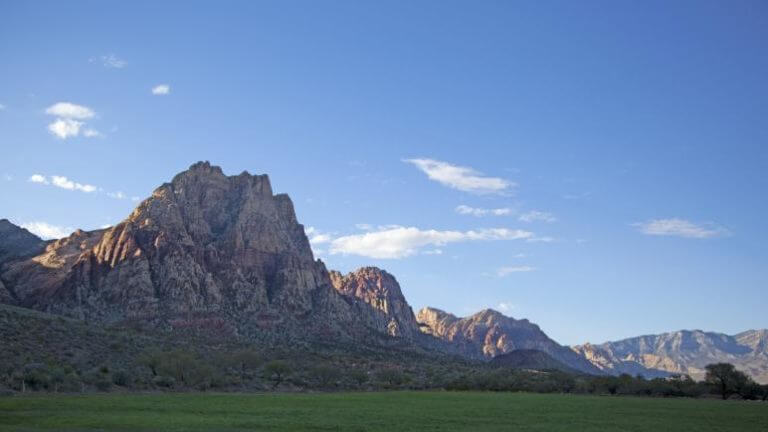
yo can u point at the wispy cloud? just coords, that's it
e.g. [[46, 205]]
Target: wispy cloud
[[540, 239], [92, 133], [2, 107], [62, 182], [110, 61], [475, 211], [505, 307], [462, 178], [396, 242], [38, 178], [47, 231], [680, 228], [316, 237], [70, 120], [162, 89], [535, 215], [117, 195], [506, 271]]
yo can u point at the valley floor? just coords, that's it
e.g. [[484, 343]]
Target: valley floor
[[383, 411]]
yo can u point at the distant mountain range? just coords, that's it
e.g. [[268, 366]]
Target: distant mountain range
[[223, 253], [681, 352]]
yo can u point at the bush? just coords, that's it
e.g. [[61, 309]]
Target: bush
[[390, 377], [276, 371], [103, 384], [164, 381], [121, 378], [325, 375]]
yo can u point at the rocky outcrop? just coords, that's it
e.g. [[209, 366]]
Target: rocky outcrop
[[204, 249], [378, 300], [17, 242], [489, 333], [681, 352]]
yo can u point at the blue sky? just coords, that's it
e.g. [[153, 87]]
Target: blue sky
[[599, 168]]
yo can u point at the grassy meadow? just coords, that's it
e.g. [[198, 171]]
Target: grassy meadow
[[382, 411]]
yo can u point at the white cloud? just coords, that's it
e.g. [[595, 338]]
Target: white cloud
[[112, 61], [162, 89], [535, 215], [65, 183], [398, 242], [62, 182], [47, 231], [474, 211], [505, 307], [506, 271], [462, 178], [37, 178], [68, 120], [70, 111], [364, 226], [680, 228], [64, 128], [8, 177], [316, 237], [135, 199], [117, 195]]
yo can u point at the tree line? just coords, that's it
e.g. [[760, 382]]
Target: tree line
[[253, 370]]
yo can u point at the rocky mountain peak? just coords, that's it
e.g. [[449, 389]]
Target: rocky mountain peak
[[16, 242], [203, 246], [373, 288], [489, 333]]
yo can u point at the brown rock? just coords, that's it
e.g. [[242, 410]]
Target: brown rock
[[378, 300]]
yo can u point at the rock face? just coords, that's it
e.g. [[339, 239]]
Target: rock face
[[16, 242], [204, 249], [489, 333], [377, 298], [681, 352]]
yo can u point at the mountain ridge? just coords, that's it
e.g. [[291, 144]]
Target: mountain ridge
[[225, 253], [681, 352]]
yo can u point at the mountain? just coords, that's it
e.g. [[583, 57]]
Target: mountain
[[205, 250], [16, 242], [529, 359], [489, 333], [376, 295], [681, 352]]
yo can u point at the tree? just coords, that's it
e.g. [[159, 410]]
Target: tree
[[724, 379], [246, 360], [57, 378], [276, 371], [359, 376], [391, 376], [325, 375], [151, 360]]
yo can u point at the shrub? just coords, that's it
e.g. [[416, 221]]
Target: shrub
[[164, 381], [276, 371], [121, 378]]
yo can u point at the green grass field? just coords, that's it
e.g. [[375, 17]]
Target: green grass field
[[396, 411]]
